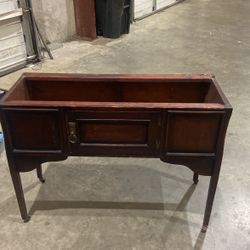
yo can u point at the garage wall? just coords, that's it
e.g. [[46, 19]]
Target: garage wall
[[55, 19]]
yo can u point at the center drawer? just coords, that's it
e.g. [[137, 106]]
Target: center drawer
[[120, 133]]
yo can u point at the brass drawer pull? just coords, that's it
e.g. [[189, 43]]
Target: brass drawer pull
[[72, 137]]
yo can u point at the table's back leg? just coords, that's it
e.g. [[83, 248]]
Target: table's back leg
[[16, 179], [39, 174], [195, 178]]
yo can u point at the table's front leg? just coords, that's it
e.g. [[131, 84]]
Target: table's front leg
[[16, 179], [21, 164], [17, 166], [210, 199]]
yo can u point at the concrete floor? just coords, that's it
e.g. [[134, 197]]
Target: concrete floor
[[97, 203]]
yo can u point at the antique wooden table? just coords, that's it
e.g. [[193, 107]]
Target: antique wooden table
[[181, 119]]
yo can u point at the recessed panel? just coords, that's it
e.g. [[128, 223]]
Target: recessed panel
[[34, 130], [192, 132], [120, 133], [113, 132]]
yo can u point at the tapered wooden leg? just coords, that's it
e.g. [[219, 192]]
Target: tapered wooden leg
[[39, 174], [210, 200], [195, 178], [16, 179]]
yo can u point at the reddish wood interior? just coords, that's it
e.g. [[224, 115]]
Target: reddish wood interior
[[193, 91]]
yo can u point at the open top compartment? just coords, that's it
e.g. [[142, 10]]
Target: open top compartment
[[115, 89]]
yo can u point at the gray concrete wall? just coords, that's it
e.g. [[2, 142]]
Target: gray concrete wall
[[55, 19]]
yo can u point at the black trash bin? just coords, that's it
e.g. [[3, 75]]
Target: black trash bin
[[112, 17]]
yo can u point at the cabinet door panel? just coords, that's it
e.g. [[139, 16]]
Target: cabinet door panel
[[115, 133]]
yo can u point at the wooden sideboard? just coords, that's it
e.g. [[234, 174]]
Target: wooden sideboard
[[180, 119]]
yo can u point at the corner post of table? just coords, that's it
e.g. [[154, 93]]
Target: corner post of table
[[16, 179], [14, 168], [216, 169]]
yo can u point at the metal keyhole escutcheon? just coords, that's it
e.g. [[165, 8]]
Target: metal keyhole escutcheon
[[72, 137]]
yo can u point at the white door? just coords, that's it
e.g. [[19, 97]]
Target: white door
[[160, 4], [7, 6], [12, 45], [143, 8]]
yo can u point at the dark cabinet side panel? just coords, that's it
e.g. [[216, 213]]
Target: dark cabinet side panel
[[34, 130], [191, 139], [192, 132]]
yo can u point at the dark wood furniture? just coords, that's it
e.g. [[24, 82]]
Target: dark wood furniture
[[181, 119], [85, 18]]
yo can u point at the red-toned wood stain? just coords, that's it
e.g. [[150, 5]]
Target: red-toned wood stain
[[180, 119], [85, 18]]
